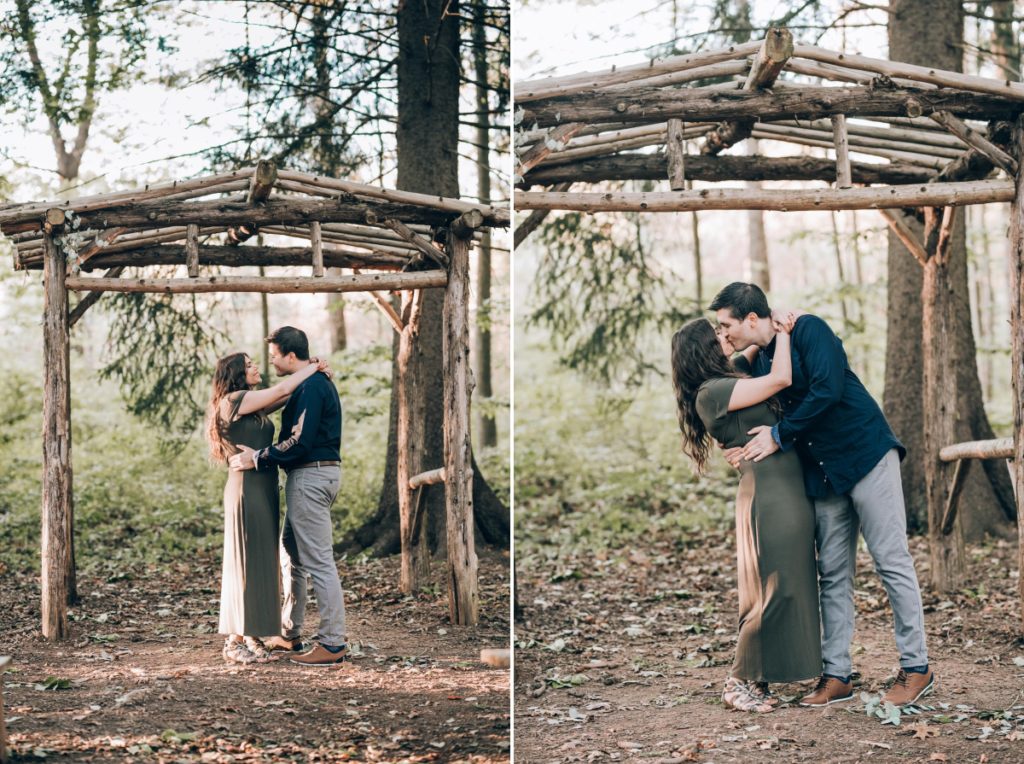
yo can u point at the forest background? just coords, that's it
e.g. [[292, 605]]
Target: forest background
[[625, 558], [100, 96]]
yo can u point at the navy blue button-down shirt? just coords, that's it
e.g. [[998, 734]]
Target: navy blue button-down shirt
[[310, 427], [837, 428]]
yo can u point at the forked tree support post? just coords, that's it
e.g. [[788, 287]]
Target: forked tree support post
[[56, 510], [1017, 342], [463, 588]]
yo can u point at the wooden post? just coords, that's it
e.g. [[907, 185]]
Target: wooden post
[[410, 436], [317, 241], [56, 541], [676, 155], [463, 587], [844, 176], [192, 250], [940, 405], [1017, 341], [4, 660]]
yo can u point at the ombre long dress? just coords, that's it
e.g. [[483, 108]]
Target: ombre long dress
[[250, 595], [779, 623]]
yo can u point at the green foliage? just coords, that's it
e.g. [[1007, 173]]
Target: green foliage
[[139, 502], [161, 351], [590, 477], [600, 293]]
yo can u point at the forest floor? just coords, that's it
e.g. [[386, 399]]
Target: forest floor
[[621, 655], [142, 678]]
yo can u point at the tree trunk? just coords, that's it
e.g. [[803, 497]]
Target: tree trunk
[[837, 247], [488, 427], [427, 138], [931, 33]]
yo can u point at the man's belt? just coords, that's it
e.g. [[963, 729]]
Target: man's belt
[[314, 464]]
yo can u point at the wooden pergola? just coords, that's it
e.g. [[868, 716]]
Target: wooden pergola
[[926, 142], [391, 240]]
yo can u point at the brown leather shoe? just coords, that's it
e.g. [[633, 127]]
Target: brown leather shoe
[[321, 656], [283, 643], [829, 690], [909, 688]]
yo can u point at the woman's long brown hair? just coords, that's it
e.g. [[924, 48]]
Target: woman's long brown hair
[[696, 358], [228, 377]]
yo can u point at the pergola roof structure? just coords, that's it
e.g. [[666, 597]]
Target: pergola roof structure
[[392, 240], [925, 140], [905, 125]]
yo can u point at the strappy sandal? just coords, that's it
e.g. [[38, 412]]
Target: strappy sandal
[[258, 650], [738, 695], [237, 652], [760, 691]]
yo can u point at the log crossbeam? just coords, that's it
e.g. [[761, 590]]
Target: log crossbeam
[[963, 454], [353, 283]]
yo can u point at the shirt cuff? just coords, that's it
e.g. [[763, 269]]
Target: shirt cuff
[[775, 436], [255, 460]]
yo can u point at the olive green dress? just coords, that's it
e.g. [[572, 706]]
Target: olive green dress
[[250, 595], [779, 626]]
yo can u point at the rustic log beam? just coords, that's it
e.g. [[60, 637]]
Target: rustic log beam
[[353, 283], [927, 74], [844, 175], [237, 257], [913, 135], [719, 168], [465, 225], [976, 140], [317, 242], [91, 299], [932, 163], [894, 218], [421, 244], [1017, 343], [175, 189], [999, 448], [922, 195], [834, 73], [100, 243], [430, 477], [273, 212], [945, 239], [707, 104], [536, 89], [535, 218], [862, 142], [709, 72], [260, 185], [493, 214], [771, 57], [676, 153], [540, 150], [953, 498], [56, 493], [463, 584]]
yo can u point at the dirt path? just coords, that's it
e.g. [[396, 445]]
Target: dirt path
[[144, 679], [623, 658]]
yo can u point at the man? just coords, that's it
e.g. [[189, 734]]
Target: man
[[310, 454], [851, 472]]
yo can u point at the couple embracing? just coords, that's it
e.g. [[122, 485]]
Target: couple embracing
[[818, 462], [261, 558]]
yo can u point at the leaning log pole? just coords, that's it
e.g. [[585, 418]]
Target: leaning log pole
[[56, 511]]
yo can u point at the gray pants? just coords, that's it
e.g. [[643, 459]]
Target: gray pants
[[307, 552], [876, 504]]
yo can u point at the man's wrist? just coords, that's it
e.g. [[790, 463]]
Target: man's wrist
[[255, 460]]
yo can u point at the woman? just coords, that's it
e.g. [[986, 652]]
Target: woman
[[250, 589], [779, 632]]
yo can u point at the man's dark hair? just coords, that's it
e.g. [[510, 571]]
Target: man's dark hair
[[741, 300], [290, 340]]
